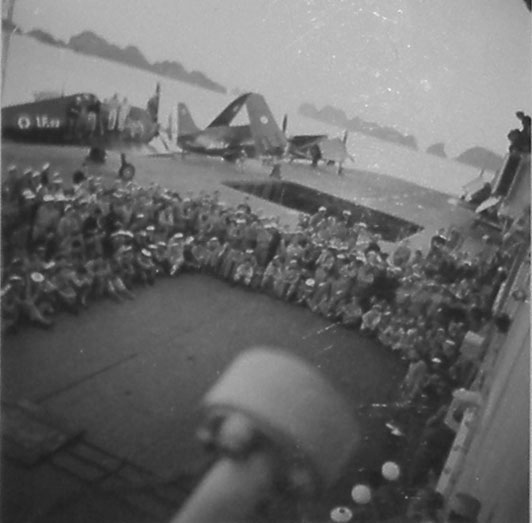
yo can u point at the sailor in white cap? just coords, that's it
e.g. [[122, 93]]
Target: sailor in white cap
[[27, 173], [371, 320], [305, 291], [272, 272], [56, 184], [414, 378], [146, 269], [159, 253], [28, 195], [214, 252], [317, 218], [37, 303], [245, 270], [351, 313], [176, 253], [46, 218], [199, 255], [291, 279], [113, 271], [35, 183], [232, 253]]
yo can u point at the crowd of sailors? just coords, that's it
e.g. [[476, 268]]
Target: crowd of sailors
[[68, 244], [62, 247]]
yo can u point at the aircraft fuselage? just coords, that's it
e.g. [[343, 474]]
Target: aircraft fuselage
[[76, 119], [229, 142]]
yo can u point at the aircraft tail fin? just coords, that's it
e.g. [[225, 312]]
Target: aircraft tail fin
[[185, 123], [269, 138], [229, 113]]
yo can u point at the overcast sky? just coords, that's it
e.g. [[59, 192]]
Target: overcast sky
[[445, 70]]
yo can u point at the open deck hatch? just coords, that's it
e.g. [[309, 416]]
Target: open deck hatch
[[308, 200]]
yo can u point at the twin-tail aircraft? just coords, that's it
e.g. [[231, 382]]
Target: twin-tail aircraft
[[82, 119], [261, 138]]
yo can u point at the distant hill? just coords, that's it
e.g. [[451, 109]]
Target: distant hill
[[46, 95], [46, 38], [337, 117], [481, 158], [437, 149], [7, 25], [91, 44]]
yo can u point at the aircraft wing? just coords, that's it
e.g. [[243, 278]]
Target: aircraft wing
[[229, 113], [333, 149], [268, 137], [490, 202]]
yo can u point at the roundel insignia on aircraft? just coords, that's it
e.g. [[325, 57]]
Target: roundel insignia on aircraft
[[264, 119], [24, 121]]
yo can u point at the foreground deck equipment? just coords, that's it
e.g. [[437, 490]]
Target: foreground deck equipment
[[277, 427]]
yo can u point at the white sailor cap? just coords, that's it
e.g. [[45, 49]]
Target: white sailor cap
[[28, 194], [37, 277]]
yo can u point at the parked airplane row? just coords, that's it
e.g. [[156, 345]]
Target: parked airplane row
[[83, 119]]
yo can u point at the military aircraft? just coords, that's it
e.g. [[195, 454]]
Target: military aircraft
[[261, 138], [316, 147], [81, 119]]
